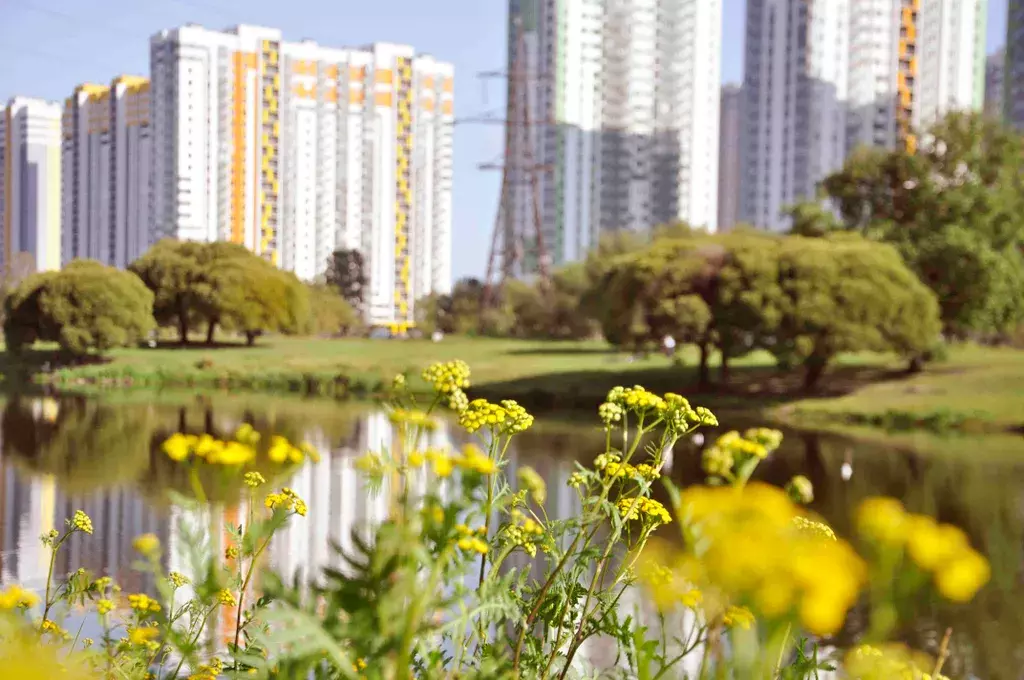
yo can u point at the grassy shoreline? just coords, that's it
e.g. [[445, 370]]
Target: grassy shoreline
[[978, 390]]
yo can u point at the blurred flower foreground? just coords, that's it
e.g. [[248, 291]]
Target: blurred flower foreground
[[469, 578]]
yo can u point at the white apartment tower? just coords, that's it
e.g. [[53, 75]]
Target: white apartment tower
[[623, 102], [105, 176], [296, 150], [30, 184], [825, 76]]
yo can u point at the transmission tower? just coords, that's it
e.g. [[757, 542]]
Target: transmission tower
[[517, 242]]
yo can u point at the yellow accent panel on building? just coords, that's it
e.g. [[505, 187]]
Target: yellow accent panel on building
[[382, 99], [384, 76]]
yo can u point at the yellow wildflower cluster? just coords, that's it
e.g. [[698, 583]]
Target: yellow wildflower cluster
[[443, 463], [532, 483], [283, 451], [674, 408], [143, 635], [668, 586], [508, 417], [254, 480], [448, 376], [612, 466], [179, 447], [748, 548], [14, 596], [413, 418], [942, 550], [231, 552], [48, 626], [800, 490], [473, 458], [104, 606], [888, 662], [738, 617], [146, 544], [648, 510], [525, 532], [81, 522], [178, 580], [610, 413], [469, 539], [226, 598], [286, 499], [143, 603], [814, 527], [210, 671]]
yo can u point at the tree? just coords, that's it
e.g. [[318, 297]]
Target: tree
[[253, 297], [951, 210], [85, 306], [810, 218], [330, 314], [847, 294], [346, 271]]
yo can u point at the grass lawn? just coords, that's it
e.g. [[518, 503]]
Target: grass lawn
[[984, 385]]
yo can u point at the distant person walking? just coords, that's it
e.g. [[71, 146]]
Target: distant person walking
[[668, 344]]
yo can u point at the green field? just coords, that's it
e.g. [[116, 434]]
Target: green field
[[976, 388]]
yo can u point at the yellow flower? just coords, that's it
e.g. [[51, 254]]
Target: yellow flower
[[647, 509], [823, 613], [227, 598], [533, 484], [814, 527], [178, 580], [177, 447], [231, 552], [279, 449], [104, 606], [143, 635], [206, 445], [254, 480], [246, 434], [888, 662], [931, 545], [473, 458], [882, 519], [416, 459], [443, 465], [26, 657], [960, 579], [446, 377], [478, 545], [233, 453], [81, 522], [738, 617], [48, 626], [286, 500], [359, 665], [146, 544], [143, 603], [14, 596], [800, 490]]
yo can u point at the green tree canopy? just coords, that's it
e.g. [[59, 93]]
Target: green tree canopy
[[86, 306], [955, 212], [330, 314]]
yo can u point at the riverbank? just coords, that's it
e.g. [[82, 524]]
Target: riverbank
[[977, 389]]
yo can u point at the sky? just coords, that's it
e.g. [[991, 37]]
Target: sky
[[47, 47]]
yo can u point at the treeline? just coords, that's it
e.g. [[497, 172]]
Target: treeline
[[899, 252], [187, 286]]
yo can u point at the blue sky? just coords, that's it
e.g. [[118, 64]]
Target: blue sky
[[49, 46]]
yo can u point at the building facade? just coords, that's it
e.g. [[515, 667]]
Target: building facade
[[296, 150], [994, 69], [729, 168], [1013, 70], [30, 187], [622, 124], [824, 77], [106, 172]]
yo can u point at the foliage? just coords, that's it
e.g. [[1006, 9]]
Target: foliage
[[220, 284], [346, 272], [85, 306], [330, 314], [469, 578], [953, 210], [846, 294]]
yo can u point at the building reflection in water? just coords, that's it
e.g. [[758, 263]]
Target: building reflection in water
[[336, 493]]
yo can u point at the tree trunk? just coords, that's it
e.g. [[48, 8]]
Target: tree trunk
[[210, 329], [723, 369], [814, 368], [183, 328], [916, 364], [250, 338], [704, 372]]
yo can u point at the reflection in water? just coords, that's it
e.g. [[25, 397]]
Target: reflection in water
[[104, 458]]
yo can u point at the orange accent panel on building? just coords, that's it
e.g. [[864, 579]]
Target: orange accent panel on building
[[382, 99], [384, 76]]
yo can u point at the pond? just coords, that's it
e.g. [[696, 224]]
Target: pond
[[102, 455]]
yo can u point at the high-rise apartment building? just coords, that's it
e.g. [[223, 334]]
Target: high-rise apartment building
[[295, 150], [106, 172], [1013, 70], [823, 77], [623, 112], [994, 68], [29, 186], [729, 168], [795, 88]]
